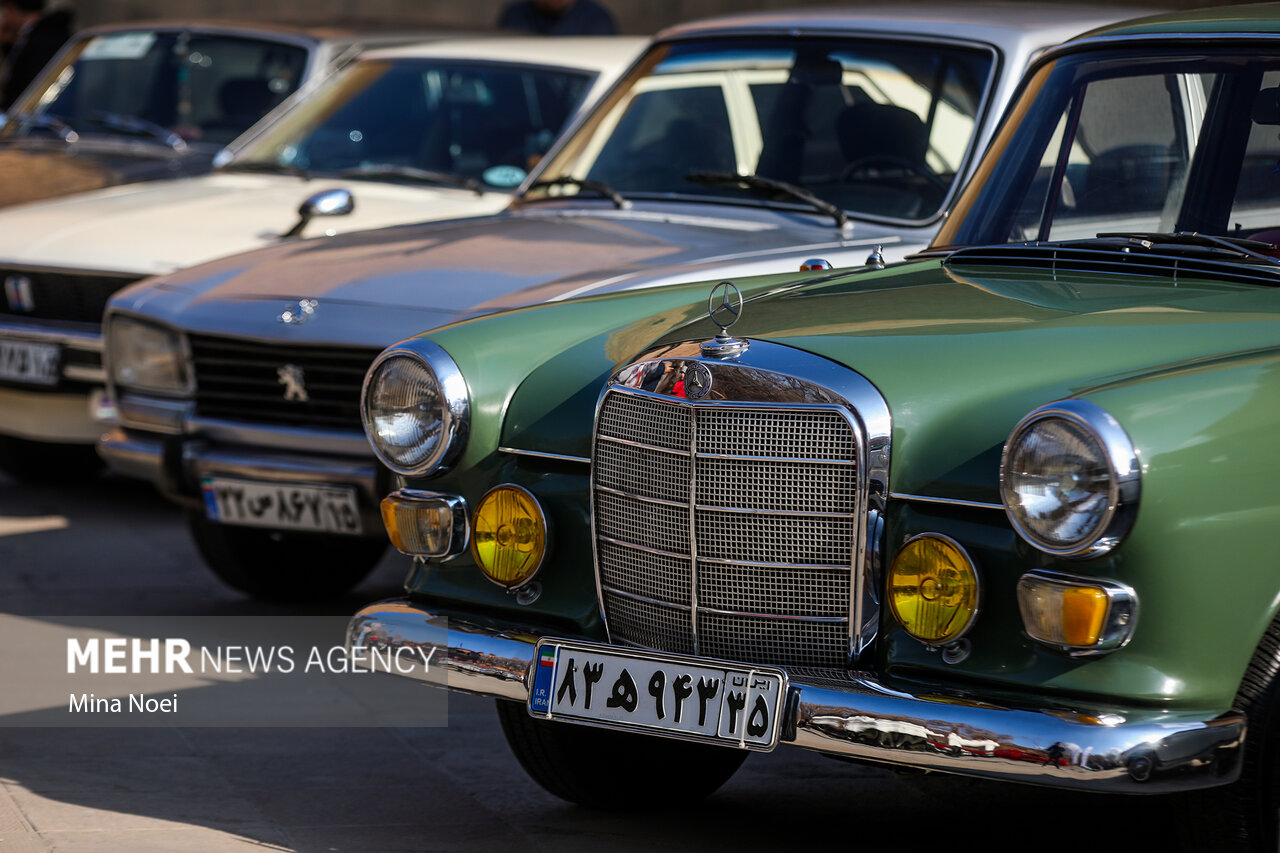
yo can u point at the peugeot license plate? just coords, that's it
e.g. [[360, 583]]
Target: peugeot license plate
[[282, 506], [29, 362], [685, 697]]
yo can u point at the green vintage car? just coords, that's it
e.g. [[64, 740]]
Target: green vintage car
[[1006, 510]]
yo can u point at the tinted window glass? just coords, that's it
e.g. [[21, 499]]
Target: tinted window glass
[[877, 127], [459, 118], [208, 89]]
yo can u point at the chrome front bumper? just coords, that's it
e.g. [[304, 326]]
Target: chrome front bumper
[[1138, 751], [176, 464], [60, 417]]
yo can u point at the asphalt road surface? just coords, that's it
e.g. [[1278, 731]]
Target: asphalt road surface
[[114, 548]]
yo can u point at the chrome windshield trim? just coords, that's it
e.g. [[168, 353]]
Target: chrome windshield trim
[[538, 454], [901, 496]]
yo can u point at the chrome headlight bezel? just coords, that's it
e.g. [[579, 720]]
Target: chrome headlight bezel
[[454, 407], [1114, 450], [170, 372]]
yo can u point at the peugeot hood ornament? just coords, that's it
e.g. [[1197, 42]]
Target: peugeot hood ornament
[[724, 307]]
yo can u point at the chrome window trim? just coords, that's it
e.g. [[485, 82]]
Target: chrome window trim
[[792, 375], [455, 413], [1124, 488], [1122, 611]]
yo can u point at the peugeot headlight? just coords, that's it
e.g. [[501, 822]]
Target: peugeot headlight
[[146, 357], [1070, 479], [415, 410]]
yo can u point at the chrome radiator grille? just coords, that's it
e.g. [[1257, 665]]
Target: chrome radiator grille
[[727, 530]]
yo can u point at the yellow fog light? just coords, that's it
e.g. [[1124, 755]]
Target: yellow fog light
[[425, 524], [1080, 615], [509, 538], [933, 589]]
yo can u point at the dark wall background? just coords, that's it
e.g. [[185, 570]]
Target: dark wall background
[[634, 16]]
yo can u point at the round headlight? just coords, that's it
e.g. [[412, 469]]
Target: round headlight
[[509, 536], [1069, 479], [933, 589], [415, 410]]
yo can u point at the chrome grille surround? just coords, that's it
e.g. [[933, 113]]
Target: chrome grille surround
[[736, 526]]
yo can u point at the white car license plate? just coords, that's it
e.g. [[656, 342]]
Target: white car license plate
[[685, 697], [282, 506], [29, 363]]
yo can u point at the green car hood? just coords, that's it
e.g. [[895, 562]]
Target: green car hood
[[959, 353]]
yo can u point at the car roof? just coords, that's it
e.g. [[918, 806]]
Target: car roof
[[335, 35], [990, 22], [1255, 18], [589, 52]]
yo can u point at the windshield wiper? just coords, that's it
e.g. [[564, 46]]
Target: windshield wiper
[[413, 173], [760, 182], [266, 166], [1235, 245], [138, 126], [587, 184], [65, 132]]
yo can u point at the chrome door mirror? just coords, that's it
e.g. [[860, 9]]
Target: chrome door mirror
[[337, 202]]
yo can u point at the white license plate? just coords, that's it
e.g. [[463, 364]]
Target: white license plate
[[30, 363], [679, 696], [282, 506]]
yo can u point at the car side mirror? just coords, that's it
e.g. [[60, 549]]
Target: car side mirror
[[336, 202]]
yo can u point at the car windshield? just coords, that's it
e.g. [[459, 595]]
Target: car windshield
[[1137, 142], [456, 121], [879, 128], [204, 89]]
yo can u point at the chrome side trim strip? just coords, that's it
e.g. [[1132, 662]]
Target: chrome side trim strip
[[537, 454], [899, 496], [1128, 750]]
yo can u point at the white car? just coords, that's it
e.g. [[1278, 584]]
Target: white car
[[408, 134]]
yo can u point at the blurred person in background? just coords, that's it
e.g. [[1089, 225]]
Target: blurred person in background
[[30, 38], [558, 18]]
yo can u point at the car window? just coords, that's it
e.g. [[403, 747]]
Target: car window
[[473, 120], [1133, 142], [206, 88], [1122, 163], [879, 128]]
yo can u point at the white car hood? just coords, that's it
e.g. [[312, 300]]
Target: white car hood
[[163, 226]]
